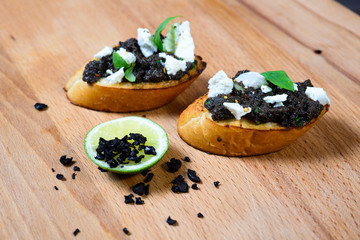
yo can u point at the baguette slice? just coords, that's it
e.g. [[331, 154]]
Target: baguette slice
[[233, 137], [126, 96]]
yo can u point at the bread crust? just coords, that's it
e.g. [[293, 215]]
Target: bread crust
[[233, 137], [126, 96]]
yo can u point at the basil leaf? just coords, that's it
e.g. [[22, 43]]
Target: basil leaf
[[169, 41], [157, 38], [129, 74], [280, 79], [118, 61]]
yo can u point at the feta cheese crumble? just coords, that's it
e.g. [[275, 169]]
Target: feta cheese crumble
[[252, 79], [173, 65], [265, 88], [296, 87], [277, 99], [220, 84], [115, 77], [127, 56], [317, 94], [184, 43], [104, 52], [236, 109], [146, 42]]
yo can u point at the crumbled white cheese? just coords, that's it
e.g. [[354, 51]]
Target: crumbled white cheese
[[296, 87], [317, 94], [184, 43], [162, 54], [108, 71], [251, 79], [173, 65], [127, 56], [115, 77], [220, 84], [104, 52], [146, 42], [236, 109], [277, 99], [265, 88]]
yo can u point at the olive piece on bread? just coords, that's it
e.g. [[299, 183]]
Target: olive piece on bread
[[138, 74], [251, 114]]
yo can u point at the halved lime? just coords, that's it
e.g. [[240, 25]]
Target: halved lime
[[155, 134]]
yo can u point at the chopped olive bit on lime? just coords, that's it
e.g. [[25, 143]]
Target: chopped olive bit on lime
[[157, 37], [280, 79]]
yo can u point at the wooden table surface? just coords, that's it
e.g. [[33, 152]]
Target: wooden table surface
[[310, 190]]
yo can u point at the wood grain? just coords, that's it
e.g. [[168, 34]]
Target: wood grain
[[310, 190]]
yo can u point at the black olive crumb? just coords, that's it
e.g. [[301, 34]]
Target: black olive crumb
[[139, 188], [192, 176], [173, 165], [66, 161], [60, 176], [56, 188], [194, 186], [216, 183], [149, 177], [52, 169], [76, 232], [102, 170], [76, 169], [139, 201], [145, 172], [73, 176], [40, 106], [171, 221], [129, 198], [200, 215], [186, 159], [219, 139], [317, 51], [147, 187], [179, 185], [126, 231]]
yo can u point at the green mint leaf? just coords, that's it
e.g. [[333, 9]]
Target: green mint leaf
[[157, 38], [118, 61], [129, 74], [169, 41], [280, 79]]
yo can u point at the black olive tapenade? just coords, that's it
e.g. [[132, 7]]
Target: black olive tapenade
[[297, 111], [147, 69]]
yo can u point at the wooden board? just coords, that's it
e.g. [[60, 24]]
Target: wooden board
[[310, 190]]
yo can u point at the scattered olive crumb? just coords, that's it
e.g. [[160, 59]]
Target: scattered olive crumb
[[66, 161], [139, 188], [139, 201], [126, 231], [129, 198], [102, 170], [76, 232], [186, 159], [145, 172], [173, 165], [317, 51], [52, 169], [200, 215], [56, 188], [147, 187], [170, 221], [194, 186], [40, 106], [76, 169], [219, 139], [216, 183], [73, 176], [60, 176], [149, 177], [192, 176], [179, 185]]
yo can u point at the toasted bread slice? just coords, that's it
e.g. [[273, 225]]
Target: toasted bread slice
[[233, 137], [126, 96]]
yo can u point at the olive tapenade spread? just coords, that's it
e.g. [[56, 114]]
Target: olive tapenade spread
[[297, 111], [147, 69]]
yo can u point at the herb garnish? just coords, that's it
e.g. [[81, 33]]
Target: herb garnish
[[119, 62], [157, 38], [280, 79]]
